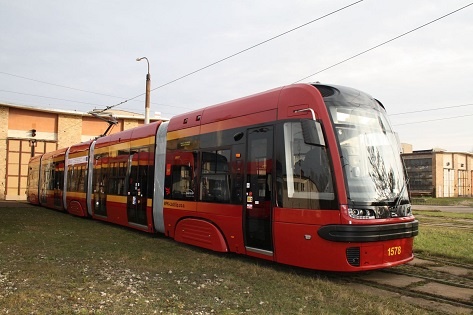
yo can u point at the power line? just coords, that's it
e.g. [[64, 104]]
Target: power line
[[384, 43], [254, 46], [74, 101], [424, 121], [58, 85], [189, 74], [240, 52], [259, 44], [429, 110], [53, 98], [70, 88]]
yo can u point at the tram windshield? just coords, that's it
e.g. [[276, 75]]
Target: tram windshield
[[370, 154]]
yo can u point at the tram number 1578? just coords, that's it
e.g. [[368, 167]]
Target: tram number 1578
[[395, 250]]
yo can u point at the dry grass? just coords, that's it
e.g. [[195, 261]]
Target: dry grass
[[53, 263]]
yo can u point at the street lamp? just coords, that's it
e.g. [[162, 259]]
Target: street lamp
[[148, 87]]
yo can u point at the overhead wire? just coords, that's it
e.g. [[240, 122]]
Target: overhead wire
[[249, 48], [86, 103], [58, 85], [327, 68], [259, 44], [53, 98], [385, 42], [66, 87], [429, 110], [238, 53], [430, 120]]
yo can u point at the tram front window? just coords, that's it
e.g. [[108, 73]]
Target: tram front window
[[370, 156]]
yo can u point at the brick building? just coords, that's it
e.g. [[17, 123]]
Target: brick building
[[27, 131], [439, 173]]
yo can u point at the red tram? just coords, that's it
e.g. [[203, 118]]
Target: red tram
[[308, 175]]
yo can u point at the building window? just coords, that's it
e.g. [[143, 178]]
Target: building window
[[419, 172]]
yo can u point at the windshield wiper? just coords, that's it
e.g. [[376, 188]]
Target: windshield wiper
[[399, 197]]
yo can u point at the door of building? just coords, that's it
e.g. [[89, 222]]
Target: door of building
[[448, 182]]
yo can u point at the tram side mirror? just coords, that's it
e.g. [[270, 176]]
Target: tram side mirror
[[312, 133]]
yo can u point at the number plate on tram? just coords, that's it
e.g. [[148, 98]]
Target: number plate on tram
[[394, 251]]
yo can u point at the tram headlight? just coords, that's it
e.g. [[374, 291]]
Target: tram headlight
[[361, 214], [380, 212]]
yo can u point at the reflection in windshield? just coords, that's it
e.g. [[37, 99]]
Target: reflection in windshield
[[383, 179], [370, 155]]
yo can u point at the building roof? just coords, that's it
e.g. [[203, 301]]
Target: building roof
[[114, 112]]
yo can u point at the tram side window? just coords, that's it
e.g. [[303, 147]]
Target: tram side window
[[117, 178], [215, 178], [101, 173], [179, 179], [307, 176], [33, 177], [139, 171], [45, 178], [51, 177], [59, 177], [76, 178], [182, 182], [70, 178], [82, 175], [118, 168]]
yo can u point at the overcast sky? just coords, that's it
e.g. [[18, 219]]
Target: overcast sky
[[80, 55]]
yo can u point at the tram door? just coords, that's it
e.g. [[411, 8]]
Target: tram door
[[58, 177], [257, 206], [137, 188], [100, 185]]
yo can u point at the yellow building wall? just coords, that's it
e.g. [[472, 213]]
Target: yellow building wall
[[93, 127], [68, 126], [21, 121]]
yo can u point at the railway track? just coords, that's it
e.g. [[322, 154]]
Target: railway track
[[440, 222], [438, 285], [447, 225], [458, 223]]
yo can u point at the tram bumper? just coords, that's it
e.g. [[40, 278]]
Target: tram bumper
[[369, 233]]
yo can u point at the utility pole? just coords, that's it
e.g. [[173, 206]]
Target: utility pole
[[148, 89]]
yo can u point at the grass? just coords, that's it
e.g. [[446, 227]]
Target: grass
[[445, 241], [457, 201], [447, 216], [54, 263]]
